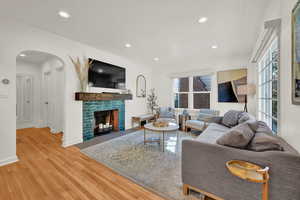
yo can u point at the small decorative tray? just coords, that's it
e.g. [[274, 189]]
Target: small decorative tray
[[248, 171], [160, 124]]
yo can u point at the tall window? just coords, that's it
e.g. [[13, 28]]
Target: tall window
[[268, 88], [192, 92]]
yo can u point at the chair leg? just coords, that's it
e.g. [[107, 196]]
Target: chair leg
[[185, 189]]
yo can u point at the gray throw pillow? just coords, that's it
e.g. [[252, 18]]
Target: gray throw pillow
[[263, 128], [244, 116], [231, 118], [238, 136], [265, 142]]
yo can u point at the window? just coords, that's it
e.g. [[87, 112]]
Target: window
[[192, 92], [268, 86]]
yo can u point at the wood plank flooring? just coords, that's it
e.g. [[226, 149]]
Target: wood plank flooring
[[46, 171]]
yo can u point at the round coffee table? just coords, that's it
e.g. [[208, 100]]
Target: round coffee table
[[170, 128]]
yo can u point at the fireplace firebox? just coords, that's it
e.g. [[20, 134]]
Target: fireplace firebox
[[106, 121]]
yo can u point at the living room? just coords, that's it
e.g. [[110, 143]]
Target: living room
[[177, 61]]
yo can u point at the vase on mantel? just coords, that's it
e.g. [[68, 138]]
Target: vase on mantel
[[84, 85], [82, 69]]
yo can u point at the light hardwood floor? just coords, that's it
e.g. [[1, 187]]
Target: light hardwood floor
[[48, 171]]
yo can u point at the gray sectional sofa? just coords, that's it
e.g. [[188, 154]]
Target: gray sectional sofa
[[204, 170]]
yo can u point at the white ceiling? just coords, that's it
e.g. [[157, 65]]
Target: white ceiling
[[167, 29], [35, 57]]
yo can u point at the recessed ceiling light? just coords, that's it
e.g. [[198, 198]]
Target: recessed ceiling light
[[64, 14], [203, 20], [214, 46], [127, 45], [156, 59], [22, 55]]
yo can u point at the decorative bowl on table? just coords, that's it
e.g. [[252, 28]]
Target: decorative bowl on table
[[161, 124]]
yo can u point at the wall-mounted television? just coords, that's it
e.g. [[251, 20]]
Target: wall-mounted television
[[105, 75]]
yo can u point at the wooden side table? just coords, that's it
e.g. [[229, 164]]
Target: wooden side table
[[182, 120], [252, 173]]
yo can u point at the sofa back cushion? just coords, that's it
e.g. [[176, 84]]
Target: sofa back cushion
[[231, 118], [238, 136], [265, 142], [166, 112]]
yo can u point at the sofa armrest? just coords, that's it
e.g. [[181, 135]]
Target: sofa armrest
[[204, 167]]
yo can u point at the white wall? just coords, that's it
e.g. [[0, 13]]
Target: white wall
[[162, 82], [25, 68], [289, 113], [16, 37]]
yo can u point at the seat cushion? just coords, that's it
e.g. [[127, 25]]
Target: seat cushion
[[238, 136], [231, 118], [212, 133], [196, 124]]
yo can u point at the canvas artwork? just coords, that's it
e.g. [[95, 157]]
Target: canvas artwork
[[296, 55], [228, 82]]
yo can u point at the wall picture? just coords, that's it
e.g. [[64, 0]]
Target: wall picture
[[296, 55], [228, 82]]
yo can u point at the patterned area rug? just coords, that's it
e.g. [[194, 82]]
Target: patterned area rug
[[146, 165]]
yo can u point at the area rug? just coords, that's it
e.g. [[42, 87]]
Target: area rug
[[146, 165]]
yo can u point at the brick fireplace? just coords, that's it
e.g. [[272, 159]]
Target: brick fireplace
[[100, 117]]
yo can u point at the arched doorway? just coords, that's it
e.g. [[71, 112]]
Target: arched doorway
[[40, 85]]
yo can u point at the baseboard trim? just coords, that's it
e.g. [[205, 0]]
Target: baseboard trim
[[72, 142], [9, 160]]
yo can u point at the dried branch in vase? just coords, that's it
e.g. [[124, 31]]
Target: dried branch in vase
[[82, 71]]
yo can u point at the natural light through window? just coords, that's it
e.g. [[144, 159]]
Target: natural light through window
[[192, 92], [268, 96]]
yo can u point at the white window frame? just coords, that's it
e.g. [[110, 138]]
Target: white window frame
[[190, 92], [264, 85]]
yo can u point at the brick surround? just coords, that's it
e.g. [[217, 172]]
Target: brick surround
[[88, 109]]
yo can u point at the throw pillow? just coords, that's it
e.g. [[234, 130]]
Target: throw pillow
[[263, 128], [231, 118], [265, 142], [238, 136], [244, 116]]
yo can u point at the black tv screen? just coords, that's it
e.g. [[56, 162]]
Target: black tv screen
[[106, 75]]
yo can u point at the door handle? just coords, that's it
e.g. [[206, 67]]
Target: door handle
[[46, 103]]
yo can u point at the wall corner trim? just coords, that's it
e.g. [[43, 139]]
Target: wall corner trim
[[9, 160], [72, 142]]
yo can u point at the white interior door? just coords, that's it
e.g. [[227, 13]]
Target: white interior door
[[24, 86], [47, 103]]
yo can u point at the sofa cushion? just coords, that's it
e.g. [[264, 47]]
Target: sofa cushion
[[231, 118], [238, 136], [244, 116], [263, 128], [265, 142], [212, 133]]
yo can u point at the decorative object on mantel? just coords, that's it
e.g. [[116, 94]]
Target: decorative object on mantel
[[82, 71], [85, 96], [141, 86], [246, 90], [252, 173], [296, 54], [152, 101]]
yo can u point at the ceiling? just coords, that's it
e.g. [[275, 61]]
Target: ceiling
[[167, 29], [36, 57]]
